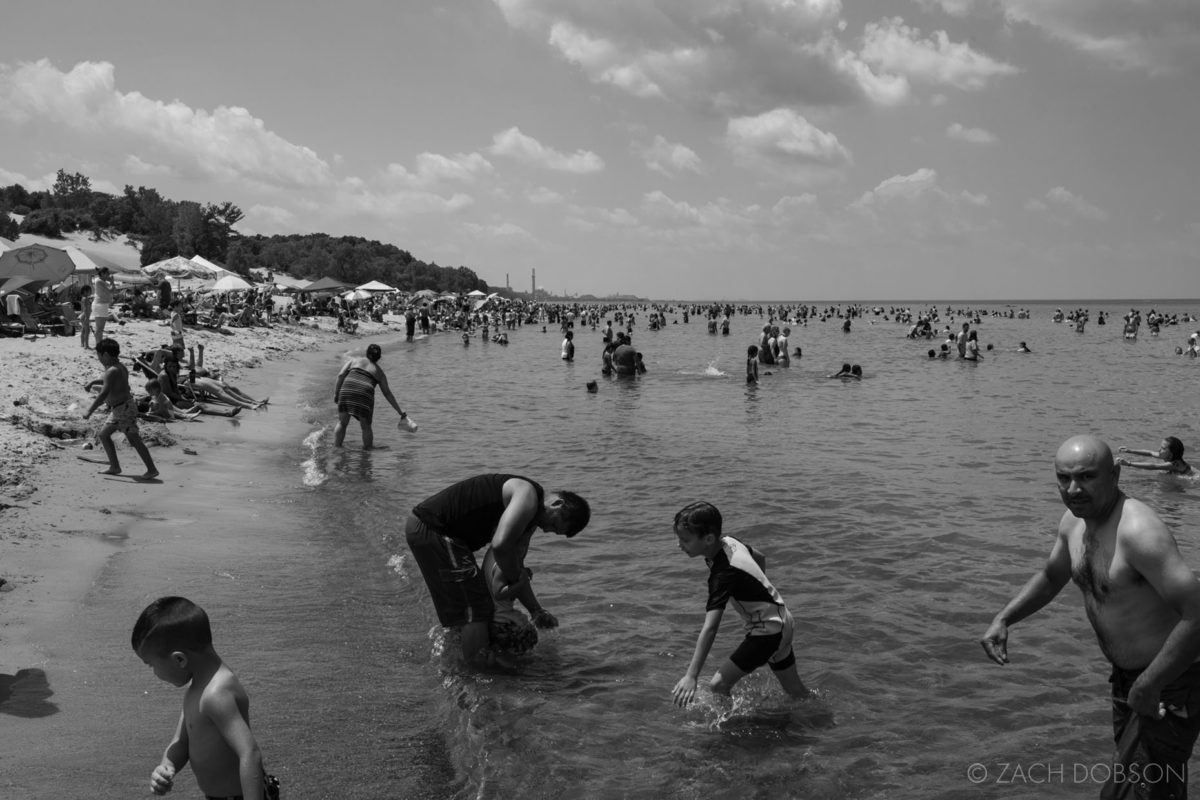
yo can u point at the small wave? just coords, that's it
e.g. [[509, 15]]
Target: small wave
[[399, 565]]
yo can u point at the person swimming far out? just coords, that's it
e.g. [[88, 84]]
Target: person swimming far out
[[844, 372]]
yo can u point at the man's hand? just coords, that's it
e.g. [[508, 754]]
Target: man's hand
[[684, 691], [544, 619], [162, 779], [1143, 700], [995, 642]]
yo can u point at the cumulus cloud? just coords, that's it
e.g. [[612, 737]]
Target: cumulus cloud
[[971, 135], [917, 207], [669, 158], [135, 166], [225, 143], [516, 145], [1061, 204], [267, 220], [955, 8], [784, 143], [1156, 37], [713, 54], [544, 196], [898, 48], [500, 233], [433, 169]]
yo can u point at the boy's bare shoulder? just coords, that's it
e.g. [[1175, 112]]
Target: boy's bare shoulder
[[222, 687]]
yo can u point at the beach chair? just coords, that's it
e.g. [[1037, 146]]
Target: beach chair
[[30, 321]]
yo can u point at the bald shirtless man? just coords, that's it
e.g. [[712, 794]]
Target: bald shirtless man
[[1143, 602]]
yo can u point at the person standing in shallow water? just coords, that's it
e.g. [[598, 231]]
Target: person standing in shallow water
[[355, 395], [1144, 605]]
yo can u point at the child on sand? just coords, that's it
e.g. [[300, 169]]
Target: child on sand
[[1170, 455], [736, 573], [162, 409], [172, 636], [122, 410]]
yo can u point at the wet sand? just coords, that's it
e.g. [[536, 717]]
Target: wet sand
[[81, 554]]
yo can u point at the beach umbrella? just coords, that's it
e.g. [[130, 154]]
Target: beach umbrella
[[39, 262], [231, 283], [209, 269], [356, 294]]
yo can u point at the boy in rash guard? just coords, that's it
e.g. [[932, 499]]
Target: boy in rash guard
[[736, 575]]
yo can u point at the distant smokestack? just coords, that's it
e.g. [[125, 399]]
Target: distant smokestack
[[533, 283]]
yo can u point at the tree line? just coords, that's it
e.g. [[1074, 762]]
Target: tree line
[[163, 228]]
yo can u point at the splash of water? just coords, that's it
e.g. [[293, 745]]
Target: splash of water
[[314, 475]]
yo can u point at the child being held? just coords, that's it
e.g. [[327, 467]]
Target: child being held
[[736, 574], [173, 637], [510, 632]]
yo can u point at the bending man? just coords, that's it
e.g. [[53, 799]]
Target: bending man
[[445, 530]]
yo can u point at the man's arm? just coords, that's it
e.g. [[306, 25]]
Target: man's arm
[[221, 709], [1151, 550], [1037, 592], [685, 689], [520, 510]]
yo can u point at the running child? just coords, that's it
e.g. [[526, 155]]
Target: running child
[[173, 637], [736, 574], [123, 411]]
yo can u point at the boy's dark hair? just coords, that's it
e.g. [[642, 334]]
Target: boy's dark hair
[[752, 350], [579, 513], [153, 386], [699, 518], [374, 352], [171, 623], [1175, 446], [110, 346]]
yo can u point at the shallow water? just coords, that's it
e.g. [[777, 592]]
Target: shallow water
[[898, 514]]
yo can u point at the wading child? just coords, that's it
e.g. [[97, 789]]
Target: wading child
[[123, 412], [173, 637], [510, 631], [736, 574], [752, 364]]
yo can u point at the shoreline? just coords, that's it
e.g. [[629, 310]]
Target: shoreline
[[61, 520]]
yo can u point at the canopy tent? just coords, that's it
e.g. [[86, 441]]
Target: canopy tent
[[327, 285], [376, 286], [475, 293], [176, 267], [231, 283], [288, 283], [208, 268], [6, 244], [34, 264]]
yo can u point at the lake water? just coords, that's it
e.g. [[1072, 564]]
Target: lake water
[[897, 514]]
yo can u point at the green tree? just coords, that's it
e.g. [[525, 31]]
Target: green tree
[[71, 191], [189, 229]]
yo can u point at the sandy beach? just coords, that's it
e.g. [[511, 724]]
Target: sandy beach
[[59, 517]]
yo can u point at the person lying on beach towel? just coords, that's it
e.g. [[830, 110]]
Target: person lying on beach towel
[[220, 392]]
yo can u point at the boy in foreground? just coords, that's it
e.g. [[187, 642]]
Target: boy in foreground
[[736, 574], [173, 637], [123, 411]]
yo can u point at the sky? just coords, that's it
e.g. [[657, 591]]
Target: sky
[[676, 149]]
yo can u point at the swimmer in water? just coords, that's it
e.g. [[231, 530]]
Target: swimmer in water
[[1169, 455]]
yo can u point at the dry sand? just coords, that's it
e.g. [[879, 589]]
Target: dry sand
[[55, 511]]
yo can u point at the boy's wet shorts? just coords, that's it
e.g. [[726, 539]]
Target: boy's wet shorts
[[774, 649], [456, 584]]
